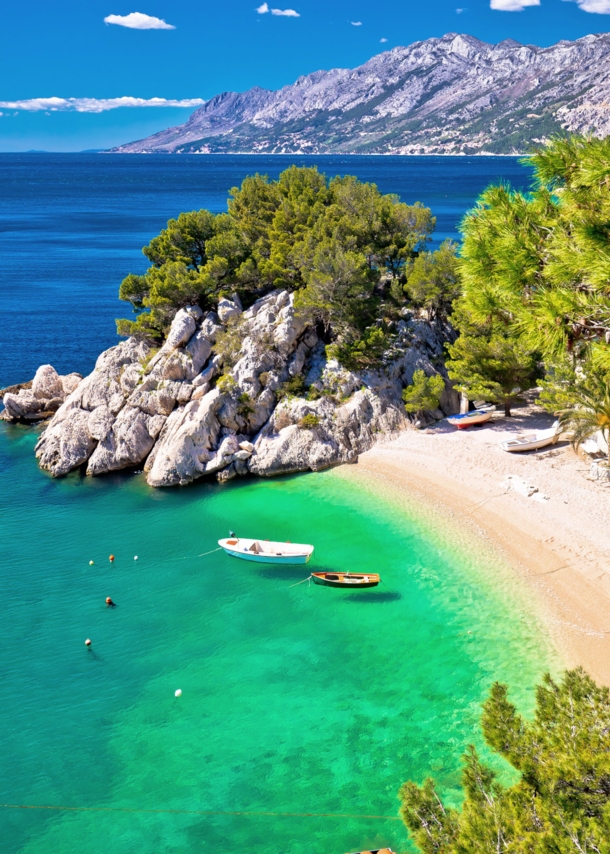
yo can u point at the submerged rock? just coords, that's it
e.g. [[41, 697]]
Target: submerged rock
[[185, 411]]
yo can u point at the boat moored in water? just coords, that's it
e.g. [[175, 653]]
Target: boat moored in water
[[477, 416], [346, 579], [266, 551], [377, 851]]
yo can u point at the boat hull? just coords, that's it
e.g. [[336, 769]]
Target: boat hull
[[468, 420], [354, 584], [266, 558], [512, 447], [266, 551]]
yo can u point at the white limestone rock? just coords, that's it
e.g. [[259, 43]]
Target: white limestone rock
[[47, 383], [46, 394], [229, 308], [127, 443], [186, 442], [67, 444]]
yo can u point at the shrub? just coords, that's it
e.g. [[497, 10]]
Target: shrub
[[294, 387], [309, 421], [226, 383]]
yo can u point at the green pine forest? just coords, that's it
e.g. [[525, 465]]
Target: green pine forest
[[524, 301]]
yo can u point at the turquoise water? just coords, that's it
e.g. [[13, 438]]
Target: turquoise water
[[296, 698]]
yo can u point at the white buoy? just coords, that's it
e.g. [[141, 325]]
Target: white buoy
[[90, 563], [135, 557], [178, 693]]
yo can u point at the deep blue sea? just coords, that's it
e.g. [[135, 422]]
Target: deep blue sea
[[303, 709], [73, 225]]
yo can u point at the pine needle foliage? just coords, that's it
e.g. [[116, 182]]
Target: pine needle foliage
[[561, 803], [540, 261]]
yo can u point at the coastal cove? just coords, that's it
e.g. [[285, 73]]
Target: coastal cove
[[295, 699]]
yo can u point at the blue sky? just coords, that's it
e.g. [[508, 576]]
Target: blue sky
[[191, 49]]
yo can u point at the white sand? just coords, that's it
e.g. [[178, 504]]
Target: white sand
[[559, 547]]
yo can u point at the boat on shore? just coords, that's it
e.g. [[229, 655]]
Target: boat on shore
[[345, 579], [477, 416], [533, 441], [266, 551]]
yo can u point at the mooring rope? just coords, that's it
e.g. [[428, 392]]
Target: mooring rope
[[300, 582], [210, 553], [197, 812]]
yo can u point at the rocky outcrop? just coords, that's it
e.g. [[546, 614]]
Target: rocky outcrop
[[213, 401], [41, 398]]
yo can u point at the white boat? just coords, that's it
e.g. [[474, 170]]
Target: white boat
[[266, 551], [533, 441], [477, 416]]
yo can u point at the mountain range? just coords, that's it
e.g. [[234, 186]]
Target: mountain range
[[449, 95]]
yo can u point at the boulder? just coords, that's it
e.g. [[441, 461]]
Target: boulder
[[47, 383], [228, 309], [41, 398]]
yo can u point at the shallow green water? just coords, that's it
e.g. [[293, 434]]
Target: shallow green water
[[295, 698]]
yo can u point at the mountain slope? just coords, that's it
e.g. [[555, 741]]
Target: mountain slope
[[455, 94]]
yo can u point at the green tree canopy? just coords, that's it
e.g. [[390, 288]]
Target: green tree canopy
[[540, 262], [338, 243], [433, 281], [489, 362], [561, 803], [424, 393]]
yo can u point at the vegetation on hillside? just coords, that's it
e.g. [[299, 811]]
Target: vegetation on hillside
[[343, 247], [561, 803], [529, 294]]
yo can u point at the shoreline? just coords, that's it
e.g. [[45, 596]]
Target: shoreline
[[557, 542]]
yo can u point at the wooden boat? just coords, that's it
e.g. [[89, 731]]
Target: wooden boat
[[266, 551], [377, 851], [477, 416], [533, 441], [345, 579]]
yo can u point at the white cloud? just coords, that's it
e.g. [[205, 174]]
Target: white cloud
[[287, 13], [512, 5], [138, 21], [597, 7], [356, 23], [459, 11], [94, 105], [383, 41]]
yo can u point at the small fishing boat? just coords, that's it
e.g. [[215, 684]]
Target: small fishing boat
[[533, 441], [345, 579], [377, 851], [477, 416], [266, 551]]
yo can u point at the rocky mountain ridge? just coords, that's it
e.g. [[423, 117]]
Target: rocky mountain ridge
[[181, 412], [450, 95]]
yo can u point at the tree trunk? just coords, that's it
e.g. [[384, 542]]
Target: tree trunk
[[507, 411]]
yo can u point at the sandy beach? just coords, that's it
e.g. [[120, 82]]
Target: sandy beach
[[557, 540]]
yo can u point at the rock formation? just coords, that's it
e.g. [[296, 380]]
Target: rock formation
[[214, 399], [39, 399]]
